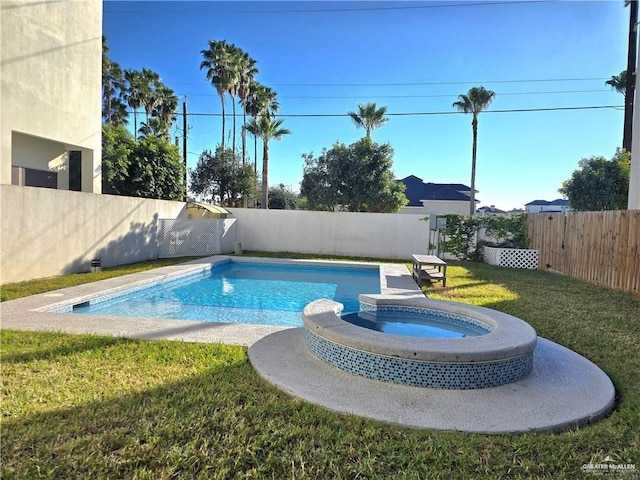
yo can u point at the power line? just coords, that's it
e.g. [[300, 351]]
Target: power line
[[325, 10], [410, 84], [443, 95], [406, 114]]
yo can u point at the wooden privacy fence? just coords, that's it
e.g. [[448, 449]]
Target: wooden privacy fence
[[598, 247]]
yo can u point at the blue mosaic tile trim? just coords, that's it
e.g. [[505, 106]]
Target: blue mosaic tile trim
[[99, 298], [306, 267], [455, 317], [451, 376]]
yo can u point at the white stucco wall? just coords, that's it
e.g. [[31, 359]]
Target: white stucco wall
[[380, 235], [439, 207], [446, 206], [46, 232], [50, 88]]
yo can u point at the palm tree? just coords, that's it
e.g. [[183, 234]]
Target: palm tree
[[475, 101], [133, 93], [619, 82], [155, 127], [112, 85], [149, 83], [114, 111], [117, 114], [165, 106], [217, 63], [268, 129], [369, 117], [261, 100], [247, 71]]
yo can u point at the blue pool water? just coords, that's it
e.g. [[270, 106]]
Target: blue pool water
[[426, 324], [264, 294]]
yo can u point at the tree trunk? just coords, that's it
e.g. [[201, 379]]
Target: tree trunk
[[265, 174], [255, 155], [223, 121], [244, 137], [472, 207], [233, 109], [135, 124]]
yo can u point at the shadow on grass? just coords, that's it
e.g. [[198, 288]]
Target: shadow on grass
[[601, 324], [226, 422], [222, 423], [71, 346]]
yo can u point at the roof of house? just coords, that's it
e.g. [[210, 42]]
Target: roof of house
[[417, 190], [491, 209], [557, 201]]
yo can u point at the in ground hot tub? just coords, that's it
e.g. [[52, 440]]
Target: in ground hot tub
[[500, 352]]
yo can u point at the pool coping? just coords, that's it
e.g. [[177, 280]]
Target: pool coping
[[510, 336], [31, 313], [564, 391]]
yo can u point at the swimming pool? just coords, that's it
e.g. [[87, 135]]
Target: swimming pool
[[239, 292], [417, 323]]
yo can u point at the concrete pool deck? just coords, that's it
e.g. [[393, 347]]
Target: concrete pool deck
[[565, 390], [29, 313]]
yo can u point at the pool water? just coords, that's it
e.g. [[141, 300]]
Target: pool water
[[265, 294], [427, 324]]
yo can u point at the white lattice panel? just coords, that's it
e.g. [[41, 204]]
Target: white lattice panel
[[190, 237], [512, 257]]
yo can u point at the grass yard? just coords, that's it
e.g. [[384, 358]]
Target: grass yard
[[101, 407]]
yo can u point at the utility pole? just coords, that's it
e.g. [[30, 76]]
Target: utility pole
[[631, 74], [184, 144]]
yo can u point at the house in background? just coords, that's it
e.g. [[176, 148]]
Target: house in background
[[490, 211], [544, 206], [51, 119], [425, 198]]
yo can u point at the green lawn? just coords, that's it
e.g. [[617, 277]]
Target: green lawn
[[100, 407]]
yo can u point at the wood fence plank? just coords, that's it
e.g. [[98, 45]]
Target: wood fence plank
[[598, 247]]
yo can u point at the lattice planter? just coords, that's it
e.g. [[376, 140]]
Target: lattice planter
[[512, 257]]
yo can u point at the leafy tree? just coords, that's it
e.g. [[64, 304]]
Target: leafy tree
[[268, 129], [150, 168], [474, 102], [117, 146], [221, 177], [369, 117], [618, 82], [156, 169], [599, 184], [283, 199], [357, 178]]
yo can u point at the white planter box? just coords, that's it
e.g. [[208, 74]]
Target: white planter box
[[512, 257]]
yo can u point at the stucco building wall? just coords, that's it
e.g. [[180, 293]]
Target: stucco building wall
[[50, 89]]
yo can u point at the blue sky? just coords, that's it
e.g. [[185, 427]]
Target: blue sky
[[323, 58]]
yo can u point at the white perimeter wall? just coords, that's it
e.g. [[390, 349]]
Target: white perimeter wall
[[47, 232], [381, 235]]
